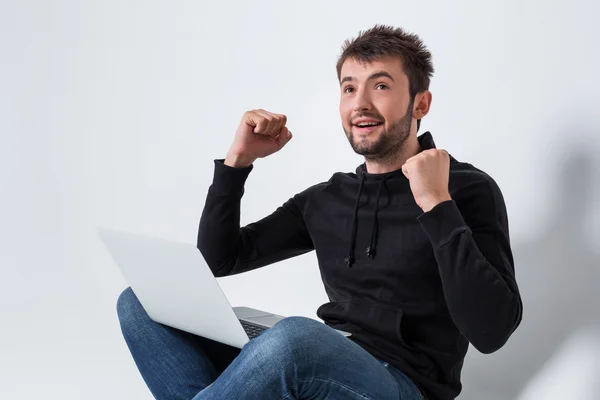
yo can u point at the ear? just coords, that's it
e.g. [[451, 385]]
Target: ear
[[422, 104]]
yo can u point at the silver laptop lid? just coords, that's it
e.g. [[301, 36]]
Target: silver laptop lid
[[175, 285]]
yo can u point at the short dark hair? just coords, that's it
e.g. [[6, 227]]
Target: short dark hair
[[383, 41]]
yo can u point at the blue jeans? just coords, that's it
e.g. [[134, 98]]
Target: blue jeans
[[298, 358]]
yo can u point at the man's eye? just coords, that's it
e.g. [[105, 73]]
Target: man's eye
[[348, 88], [384, 85]]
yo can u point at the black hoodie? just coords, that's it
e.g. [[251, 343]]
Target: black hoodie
[[413, 288]]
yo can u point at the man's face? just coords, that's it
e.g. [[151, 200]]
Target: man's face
[[377, 92]]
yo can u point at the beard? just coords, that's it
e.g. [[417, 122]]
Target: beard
[[388, 146]]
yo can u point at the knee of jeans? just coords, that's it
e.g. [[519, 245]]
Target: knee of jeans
[[298, 324], [308, 336], [299, 330], [129, 309], [285, 344], [273, 350]]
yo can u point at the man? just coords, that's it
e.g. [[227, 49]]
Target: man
[[413, 250]]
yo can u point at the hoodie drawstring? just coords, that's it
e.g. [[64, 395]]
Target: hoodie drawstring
[[350, 259], [371, 249]]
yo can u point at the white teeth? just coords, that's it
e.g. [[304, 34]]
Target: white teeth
[[362, 124]]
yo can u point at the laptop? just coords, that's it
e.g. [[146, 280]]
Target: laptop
[[177, 288]]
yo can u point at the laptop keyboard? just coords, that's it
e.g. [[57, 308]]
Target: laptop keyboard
[[251, 329]]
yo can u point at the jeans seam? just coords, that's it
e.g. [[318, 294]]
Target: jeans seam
[[292, 349], [339, 384], [290, 394], [410, 381]]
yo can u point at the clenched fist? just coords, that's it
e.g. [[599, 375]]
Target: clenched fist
[[428, 173], [260, 134]]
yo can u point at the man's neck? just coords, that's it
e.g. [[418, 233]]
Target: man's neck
[[411, 148]]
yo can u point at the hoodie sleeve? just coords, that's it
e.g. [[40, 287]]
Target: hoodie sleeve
[[230, 249], [471, 243]]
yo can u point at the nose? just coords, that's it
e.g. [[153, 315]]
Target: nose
[[362, 102]]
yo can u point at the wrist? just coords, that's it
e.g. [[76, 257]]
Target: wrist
[[431, 202], [238, 160]]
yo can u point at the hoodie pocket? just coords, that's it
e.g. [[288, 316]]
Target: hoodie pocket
[[380, 325], [380, 320]]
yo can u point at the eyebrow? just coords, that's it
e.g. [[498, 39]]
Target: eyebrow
[[375, 75]]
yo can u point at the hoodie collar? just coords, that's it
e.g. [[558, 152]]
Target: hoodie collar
[[425, 141]]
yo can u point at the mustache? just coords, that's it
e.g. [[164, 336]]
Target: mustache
[[375, 117]]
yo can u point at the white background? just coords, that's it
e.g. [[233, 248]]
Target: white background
[[112, 112]]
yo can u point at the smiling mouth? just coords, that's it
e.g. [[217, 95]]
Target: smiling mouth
[[367, 127]]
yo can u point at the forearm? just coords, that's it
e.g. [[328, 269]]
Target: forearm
[[481, 293], [480, 300], [219, 227], [231, 249]]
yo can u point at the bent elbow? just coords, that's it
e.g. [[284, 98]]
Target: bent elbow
[[490, 342], [218, 269]]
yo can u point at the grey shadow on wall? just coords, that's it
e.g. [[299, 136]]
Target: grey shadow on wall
[[559, 278]]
